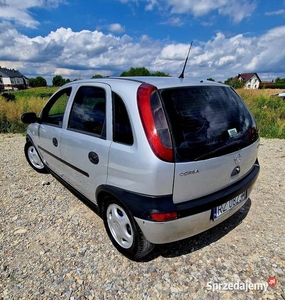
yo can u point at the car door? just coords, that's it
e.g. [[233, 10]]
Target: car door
[[86, 141], [50, 128]]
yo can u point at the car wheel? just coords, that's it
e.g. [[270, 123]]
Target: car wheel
[[123, 231], [33, 158]]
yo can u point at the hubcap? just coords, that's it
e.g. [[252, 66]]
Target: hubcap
[[34, 158], [120, 226]]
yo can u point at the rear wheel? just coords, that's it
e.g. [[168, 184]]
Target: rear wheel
[[123, 231], [33, 158]]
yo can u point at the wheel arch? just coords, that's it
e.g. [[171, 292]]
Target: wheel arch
[[139, 205], [105, 192], [30, 139]]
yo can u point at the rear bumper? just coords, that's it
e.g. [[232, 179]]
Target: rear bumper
[[199, 216], [194, 216], [179, 229]]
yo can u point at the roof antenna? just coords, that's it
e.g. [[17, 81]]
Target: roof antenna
[[182, 74]]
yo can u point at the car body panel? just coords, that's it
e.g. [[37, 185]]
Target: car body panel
[[214, 173], [83, 174], [137, 169], [49, 137]]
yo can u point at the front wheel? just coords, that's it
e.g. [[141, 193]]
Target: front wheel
[[33, 158], [123, 231]]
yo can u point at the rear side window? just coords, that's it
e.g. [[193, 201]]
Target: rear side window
[[89, 111], [207, 121], [122, 130]]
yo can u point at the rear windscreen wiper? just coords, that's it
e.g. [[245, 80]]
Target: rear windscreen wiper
[[222, 148]]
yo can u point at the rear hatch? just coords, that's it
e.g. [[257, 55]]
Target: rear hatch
[[214, 136]]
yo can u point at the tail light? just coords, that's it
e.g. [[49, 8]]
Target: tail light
[[252, 134], [154, 122], [163, 217]]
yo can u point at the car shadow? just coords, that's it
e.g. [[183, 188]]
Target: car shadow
[[201, 240], [185, 246]]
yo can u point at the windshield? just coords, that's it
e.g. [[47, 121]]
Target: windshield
[[207, 121]]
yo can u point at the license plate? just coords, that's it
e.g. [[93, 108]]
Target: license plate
[[229, 205]]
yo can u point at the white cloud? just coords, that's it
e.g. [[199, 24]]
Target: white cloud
[[151, 4], [269, 55], [116, 28], [175, 21], [275, 13], [85, 53], [18, 11], [237, 10]]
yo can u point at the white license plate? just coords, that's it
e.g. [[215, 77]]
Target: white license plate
[[229, 205]]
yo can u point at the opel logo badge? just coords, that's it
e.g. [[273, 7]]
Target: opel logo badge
[[237, 159]]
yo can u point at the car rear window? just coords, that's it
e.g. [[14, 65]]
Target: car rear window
[[207, 121]]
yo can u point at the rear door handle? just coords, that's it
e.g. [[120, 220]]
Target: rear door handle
[[93, 157], [55, 142]]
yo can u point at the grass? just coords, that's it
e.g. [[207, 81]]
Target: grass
[[26, 100], [268, 110]]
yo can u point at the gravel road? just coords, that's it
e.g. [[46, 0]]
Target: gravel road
[[52, 246]]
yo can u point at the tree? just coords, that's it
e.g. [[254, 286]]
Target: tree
[[210, 79], [230, 79], [136, 72], [142, 71], [59, 81], [37, 82], [160, 74], [40, 81], [279, 80], [97, 76], [32, 82], [236, 84]]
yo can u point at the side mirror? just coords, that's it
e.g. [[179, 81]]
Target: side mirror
[[29, 118]]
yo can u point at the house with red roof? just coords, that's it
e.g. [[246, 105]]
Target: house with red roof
[[250, 80]]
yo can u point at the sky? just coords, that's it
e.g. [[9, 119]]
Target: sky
[[81, 38]]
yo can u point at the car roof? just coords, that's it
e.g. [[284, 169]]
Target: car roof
[[159, 82]]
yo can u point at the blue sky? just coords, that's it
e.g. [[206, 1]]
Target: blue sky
[[81, 38]]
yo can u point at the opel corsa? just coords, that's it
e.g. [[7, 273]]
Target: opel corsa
[[162, 159]]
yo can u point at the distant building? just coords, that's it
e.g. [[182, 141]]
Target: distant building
[[11, 79], [250, 80]]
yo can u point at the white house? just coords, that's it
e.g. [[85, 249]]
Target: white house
[[11, 79], [250, 80]]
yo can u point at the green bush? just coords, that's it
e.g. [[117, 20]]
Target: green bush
[[5, 124], [9, 96]]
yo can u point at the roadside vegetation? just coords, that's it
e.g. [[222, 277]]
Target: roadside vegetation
[[18, 102], [268, 110]]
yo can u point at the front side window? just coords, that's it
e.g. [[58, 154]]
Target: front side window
[[89, 111], [54, 110], [207, 121]]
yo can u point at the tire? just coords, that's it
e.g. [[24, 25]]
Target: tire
[[123, 230], [33, 158]]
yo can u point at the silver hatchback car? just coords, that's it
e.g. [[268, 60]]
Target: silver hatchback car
[[162, 159]]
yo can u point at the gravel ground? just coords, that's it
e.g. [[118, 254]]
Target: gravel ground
[[52, 246]]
